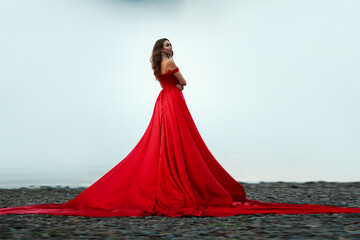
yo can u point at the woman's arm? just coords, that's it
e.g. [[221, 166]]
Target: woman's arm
[[180, 77]]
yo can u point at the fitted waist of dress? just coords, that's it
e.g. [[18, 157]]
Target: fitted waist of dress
[[169, 86], [168, 81]]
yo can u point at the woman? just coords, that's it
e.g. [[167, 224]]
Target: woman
[[170, 171]]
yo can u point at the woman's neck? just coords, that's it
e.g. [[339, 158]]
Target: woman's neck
[[166, 56]]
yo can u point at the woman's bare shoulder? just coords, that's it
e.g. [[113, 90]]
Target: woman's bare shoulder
[[170, 64]]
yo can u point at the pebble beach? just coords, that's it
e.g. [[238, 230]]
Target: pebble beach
[[258, 226]]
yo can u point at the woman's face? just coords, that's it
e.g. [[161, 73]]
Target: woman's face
[[167, 47]]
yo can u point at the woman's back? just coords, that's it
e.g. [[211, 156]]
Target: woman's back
[[168, 79], [168, 65]]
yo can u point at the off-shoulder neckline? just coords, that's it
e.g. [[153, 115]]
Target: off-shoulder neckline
[[168, 71]]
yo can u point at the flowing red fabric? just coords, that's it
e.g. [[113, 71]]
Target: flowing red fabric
[[169, 172]]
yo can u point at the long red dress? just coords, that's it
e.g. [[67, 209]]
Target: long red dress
[[170, 172]]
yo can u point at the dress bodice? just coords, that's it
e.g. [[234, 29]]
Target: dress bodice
[[168, 79]]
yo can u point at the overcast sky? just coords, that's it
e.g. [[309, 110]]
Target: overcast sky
[[273, 86]]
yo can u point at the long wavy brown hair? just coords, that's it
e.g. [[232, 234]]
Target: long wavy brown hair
[[156, 56]]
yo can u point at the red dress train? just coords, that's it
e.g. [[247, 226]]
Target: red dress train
[[169, 172]]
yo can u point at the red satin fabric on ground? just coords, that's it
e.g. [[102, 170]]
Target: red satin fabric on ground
[[169, 172]]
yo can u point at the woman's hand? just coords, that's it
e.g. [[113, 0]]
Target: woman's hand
[[180, 87]]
